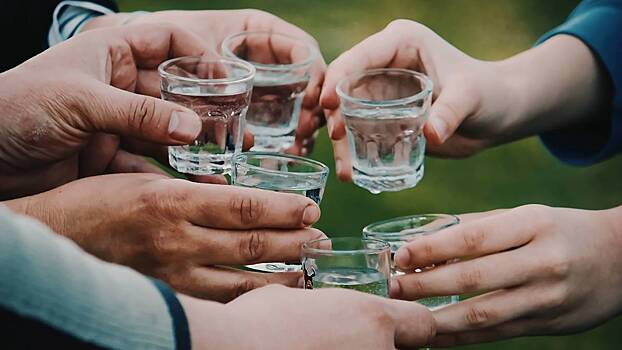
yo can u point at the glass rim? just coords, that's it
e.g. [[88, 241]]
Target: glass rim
[[383, 246], [239, 63], [324, 169], [313, 52], [368, 230], [423, 94]]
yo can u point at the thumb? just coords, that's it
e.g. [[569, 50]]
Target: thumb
[[144, 117], [447, 113]]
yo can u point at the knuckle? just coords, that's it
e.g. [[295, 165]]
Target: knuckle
[[473, 240], [252, 247], [555, 298], [401, 23], [414, 287], [470, 280], [539, 217], [241, 286], [477, 317], [142, 113], [427, 251], [558, 265], [247, 209]]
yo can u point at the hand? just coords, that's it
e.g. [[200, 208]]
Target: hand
[[543, 270], [476, 104], [185, 233], [279, 318], [214, 26], [66, 99]]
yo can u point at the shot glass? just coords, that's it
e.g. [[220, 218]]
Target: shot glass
[[282, 63], [281, 173], [399, 231], [385, 110], [219, 92], [360, 264]]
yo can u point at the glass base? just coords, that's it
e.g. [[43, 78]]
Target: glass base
[[275, 267], [188, 162], [272, 143], [385, 183]]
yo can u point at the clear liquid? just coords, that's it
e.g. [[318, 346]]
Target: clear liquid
[[308, 188], [274, 110], [363, 280], [221, 135], [387, 150]]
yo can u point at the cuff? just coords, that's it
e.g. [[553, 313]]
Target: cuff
[[598, 27], [180, 322], [69, 17]]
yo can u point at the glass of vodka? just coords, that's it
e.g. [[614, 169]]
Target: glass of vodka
[[399, 231], [350, 262], [385, 111], [219, 92], [280, 173], [282, 63]]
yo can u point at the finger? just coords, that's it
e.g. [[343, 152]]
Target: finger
[[96, 156], [125, 162], [224, 284], [115, 111], [336, 124], [493, 309], [456, 146], [231, 207], [343, 162], [468, 217], [152, 44], [208, 179], [310, 121], [508, 330], [468, 276], [415, 325], [488, 235], [225, 247], [448, 111], [248, 141], [147, 149]]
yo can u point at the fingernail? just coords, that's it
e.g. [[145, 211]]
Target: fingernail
[[311, 214], [338, 165], [395, 290], [304, 151], [402, 258], [184, 126], [440, 128]]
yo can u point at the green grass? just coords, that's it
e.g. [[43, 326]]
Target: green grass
[[507, 176]]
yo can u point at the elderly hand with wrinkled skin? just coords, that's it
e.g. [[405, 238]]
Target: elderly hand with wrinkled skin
[[187, 234], [213, 26]]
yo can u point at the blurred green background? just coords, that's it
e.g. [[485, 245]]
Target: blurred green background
[[507, 176]]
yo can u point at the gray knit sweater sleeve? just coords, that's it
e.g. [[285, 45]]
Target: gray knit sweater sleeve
[[47, 278]]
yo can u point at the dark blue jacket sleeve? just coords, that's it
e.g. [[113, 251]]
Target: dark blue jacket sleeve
[[598, 23]]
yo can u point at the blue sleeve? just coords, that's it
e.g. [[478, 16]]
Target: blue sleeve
[[598, 23]]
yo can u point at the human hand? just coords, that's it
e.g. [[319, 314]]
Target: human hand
[[185, 233], [65, 100], [276, 318], [214, 26], [543, 270], [476, 104]]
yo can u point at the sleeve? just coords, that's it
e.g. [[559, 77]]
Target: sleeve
[[70, 16], [598, 23], [54, 295]]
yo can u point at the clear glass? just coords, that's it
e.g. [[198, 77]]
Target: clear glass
[[281, 173], [219, 92], [282, 63], [399, 231], [385, 110], [353, 263]]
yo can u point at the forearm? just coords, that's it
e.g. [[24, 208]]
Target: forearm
[[48, 281], [557, 84]]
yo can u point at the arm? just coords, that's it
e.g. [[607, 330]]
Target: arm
[[56, 296]]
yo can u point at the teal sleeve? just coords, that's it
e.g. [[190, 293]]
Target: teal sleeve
[[598, 23], [47, 278]]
